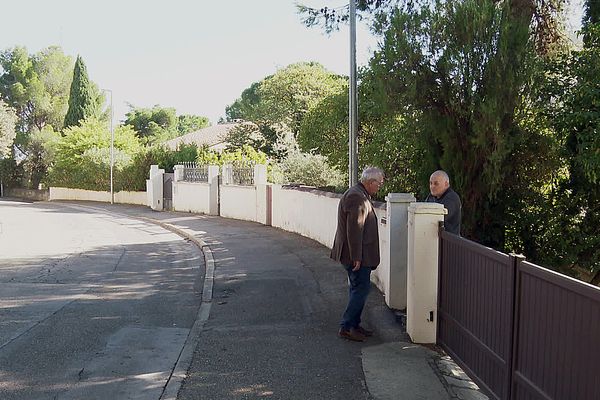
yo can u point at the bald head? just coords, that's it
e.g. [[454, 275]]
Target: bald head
[[439, 182]]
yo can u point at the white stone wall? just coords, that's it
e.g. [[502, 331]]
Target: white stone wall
[[310, 213], [58, 193], [191, 197], [238, 202]]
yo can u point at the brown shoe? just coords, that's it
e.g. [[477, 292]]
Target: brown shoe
[[364, 332], [351, 334]]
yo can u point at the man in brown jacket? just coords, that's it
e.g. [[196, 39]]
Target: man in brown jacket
[[356, 247]]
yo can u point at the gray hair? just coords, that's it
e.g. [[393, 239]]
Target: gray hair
[[442, 174], [371, 173]]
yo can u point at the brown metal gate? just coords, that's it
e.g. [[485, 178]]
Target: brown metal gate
[[168, 191], [518, 330], [474, 311], [557, 338]]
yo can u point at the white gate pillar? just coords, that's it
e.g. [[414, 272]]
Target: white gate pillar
[[213, 181], [154, 188], [422, 282], [397, 239]]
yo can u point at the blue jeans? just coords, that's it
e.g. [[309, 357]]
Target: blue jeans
[[359, 286]]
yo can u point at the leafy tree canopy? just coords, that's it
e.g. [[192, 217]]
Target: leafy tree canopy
[[8, 120], [36, 86], [153, 121], [571, 103], [41, 151], [93, 134], [542, 15], [187, 123], [279, 103], [245, 106], [288, 95], [245, 134], [158, 124], [245, 155], [591, 12]]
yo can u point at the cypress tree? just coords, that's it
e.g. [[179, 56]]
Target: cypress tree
[[82, 99]]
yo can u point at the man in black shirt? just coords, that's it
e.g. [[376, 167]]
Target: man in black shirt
[[442, 193]]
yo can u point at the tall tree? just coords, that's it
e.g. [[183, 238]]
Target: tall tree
[[287, 95], [158, 124], [53, 69], [83, 98], [187, 123], [17, 84], [8, 120], [151, 123], [279, 102], [244, 107], [541, 15], [36, 86], [451, 79], [591, 12], [573, 105]]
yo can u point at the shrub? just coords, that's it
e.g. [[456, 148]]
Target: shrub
[[311, 170]]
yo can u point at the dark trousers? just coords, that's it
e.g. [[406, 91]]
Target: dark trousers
[[359, 286]]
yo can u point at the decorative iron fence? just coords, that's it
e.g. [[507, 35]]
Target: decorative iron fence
[[243, 176], [192, 172]]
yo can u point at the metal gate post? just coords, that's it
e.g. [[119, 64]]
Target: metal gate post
[[516, 260], [441, 230]]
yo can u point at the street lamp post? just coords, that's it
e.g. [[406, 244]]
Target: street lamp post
[[353, 100], [112, 147]]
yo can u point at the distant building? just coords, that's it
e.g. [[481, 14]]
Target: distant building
[[212, 136]]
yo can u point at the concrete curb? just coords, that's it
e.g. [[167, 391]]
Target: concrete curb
[[185, 357]]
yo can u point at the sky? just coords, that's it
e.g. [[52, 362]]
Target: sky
[[194, 55]]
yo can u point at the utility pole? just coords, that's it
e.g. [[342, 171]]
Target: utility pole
[[353, 100], [112, 150], [112, 147]]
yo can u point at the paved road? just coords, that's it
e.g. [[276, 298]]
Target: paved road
[[93, 305], [277, 300], [106, 316]]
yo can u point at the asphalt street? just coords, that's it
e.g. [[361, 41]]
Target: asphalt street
[[92, 305], [272, 330], [265, 326]]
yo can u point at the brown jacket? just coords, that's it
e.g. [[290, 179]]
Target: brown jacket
[[357, 236]]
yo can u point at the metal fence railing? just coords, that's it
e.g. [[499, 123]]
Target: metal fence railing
[[192, 172], [243, 176]]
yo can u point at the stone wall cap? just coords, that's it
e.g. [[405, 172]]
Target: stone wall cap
[[427, 208], [400, 198], [311, 189]]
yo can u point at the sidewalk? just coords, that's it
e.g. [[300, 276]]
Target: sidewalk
[[272, 326]]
